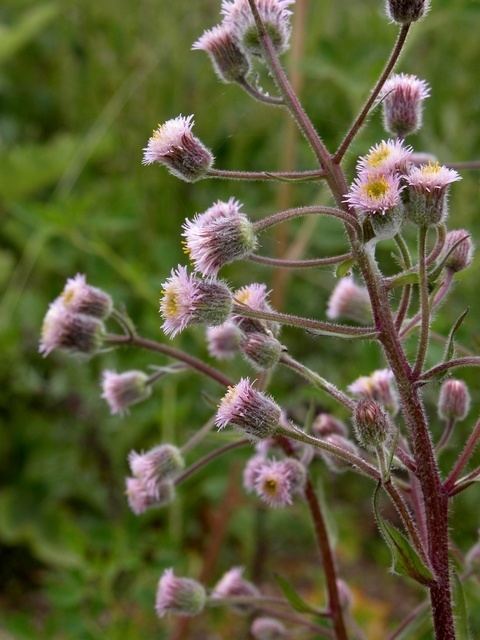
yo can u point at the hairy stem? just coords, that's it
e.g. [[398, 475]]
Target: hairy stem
[[424, 302], [456, 363], [405, 300], [267, 176], [259, 95], [289, 214], [212, 455], [281, 263], [464, 457]]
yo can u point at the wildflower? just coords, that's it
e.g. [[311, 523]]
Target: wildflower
[[275, 16], [372, 424], [379, 386], [255, 296], [454, 401], [233, 585], [251, 471], [141, 497], [228, 60], [461, 257], [219, 236], [262, 351], [174, 145], [224, 341], [296, 474], [326, 425], [180, 596], [121, 390], [252, 411], [265, 628], [407, 11], [426, 196], [402, 99], [388, 156], [69, 331], [375, 193], [188, 300], [273, 484], [157, 465], [333, 462], [80, 297], [349, 300]]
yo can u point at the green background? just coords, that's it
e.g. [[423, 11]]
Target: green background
[[82, 84]]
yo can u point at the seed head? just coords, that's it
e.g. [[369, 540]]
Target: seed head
[[461, 257], [379, 386], [229, 61], [407, 11], [402, 99], [180, 596], [454, 400], [372, 424], [233, 585], [73, 332], [388, 156], [141, 497], [224, 341], [174, 145], [326, 425], [80, 297], [156, 466], [426, 196], [121, 390], [261, 350], [266, 628], [219, 236], [188, 300], [349, 301], [255, 296], [375, 193]]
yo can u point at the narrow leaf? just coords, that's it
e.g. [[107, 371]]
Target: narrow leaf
[[344, 268], [293, 597], [450, 346]]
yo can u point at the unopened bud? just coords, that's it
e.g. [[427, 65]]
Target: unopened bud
[[296, 474], [142, 497], [334, 463], [157, 465], [180, 596], [80, 297], [407, 11], [224, 341], [121, 390], [261, 350], [349, 301], [326, 425], [454, 400], [372, 425], [402, 100], [426, 196], [461, 257], [228, 60], [69, 331], [266, 628], [234, 585]]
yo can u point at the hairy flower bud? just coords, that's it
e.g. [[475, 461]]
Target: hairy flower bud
[[219, 236], [188, 300], [233, 585], [333, 462], [76, 333], [80, 297], [157, 465], [252, 411], [461, 257], [273, 484], [454, 400], [180, 596], [349, 301], [174, 145], [407, 11], [326, 425], [379, 386], [261, 350], [266, 628], [142, 497], [255, 296], [296, 474], [228, 60], [426, 196], [224, 341], [372, 425], [251, 471], [121, 390], [402, 99]]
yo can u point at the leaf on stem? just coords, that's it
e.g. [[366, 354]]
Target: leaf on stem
[[294, 598], [344, 268], [450, 346]]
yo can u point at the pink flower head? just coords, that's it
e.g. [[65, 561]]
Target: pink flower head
[[350, 301], [255, 296], [274, 14], [388, 156], [233, 585], [174, 145], [461, 256], [296, 474], [402, 98], [157, 465], [121, 390], [374, 192], [188, 300], [251, 471], [454, 401], [80, 297], [273, 484], [266, 628], [431, 177], [326, 425], [379, 386], [180, 596], [426, 201], [224, 341], [333, 462], [252, 411], [219, 236], [70, 331], [141, 497], [228, 59]]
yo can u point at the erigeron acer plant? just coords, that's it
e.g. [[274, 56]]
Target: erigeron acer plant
[[394, 186]]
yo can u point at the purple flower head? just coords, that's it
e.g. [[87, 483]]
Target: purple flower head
[[461, 257], [261, 350], [219, 236], [69, 331], [248, 409], [426, 196], [275, 16], [265, 628], [141, 497], [188, 300], [296, 474], [454, 401], [326, 425], [121, 390], [174, 145], [229, 61], [375, 193], [334, 463], [180, 596], [233, 585], [224, 341], [407, 11], [379, 386], [273, 484], [372, 425], [402, 98], [251, 471], [157, 465], [349, 301], [80, 297], [255, 296], [388, 156]]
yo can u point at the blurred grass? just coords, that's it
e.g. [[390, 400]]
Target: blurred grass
[[82, 84]]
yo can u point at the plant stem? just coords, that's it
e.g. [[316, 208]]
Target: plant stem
[[438, 297], [283, 216], [464, 457], [259, 95], [407, 291], [267, 176], [360, 119], [469, 164], [212, 455], [198, 436], [424, 302], [280, 263], [456, 363], [447, 432], [290, 617]]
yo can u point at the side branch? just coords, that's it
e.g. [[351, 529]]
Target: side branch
[[281, 263], [288, 214], [269, 176], [472, 361]]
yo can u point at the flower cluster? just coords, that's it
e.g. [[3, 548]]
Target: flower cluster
[[379, 386]]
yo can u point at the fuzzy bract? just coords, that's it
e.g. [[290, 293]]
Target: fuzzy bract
[[350, 301], [224, 341], [229, 61], [179, 596], [121, 390], [402, 99], [80, 297]]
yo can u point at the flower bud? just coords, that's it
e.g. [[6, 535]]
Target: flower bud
[[188, 300], [326, 425], [157, 465], [180, 596], [407, 11], [379, 386], [273, 484], [426, 196], [333, 462], [461, 257], [219, 236], [142, 497], [349, 301], [174, 145], [255, 296], [121, 390], [80, 297], [251, 471], [372, 424], [262, 351], [233, 585], [454, 400], [296, 474], [252, 411], [266, 628], [69, 331], [228, 60], [402, 99], [224, 341]]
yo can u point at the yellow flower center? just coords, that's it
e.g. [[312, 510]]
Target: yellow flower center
[[186, 248], [270, 486], [431, 169], [170, 302], [68, 296], [375, 158], [377, 188], [243, 297]]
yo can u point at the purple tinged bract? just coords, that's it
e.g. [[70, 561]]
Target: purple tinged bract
[[402, 99], [179, 596], [122, 390], [231, 64], [349, 301]]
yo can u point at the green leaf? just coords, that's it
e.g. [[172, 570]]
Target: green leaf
[[463, 627], [294, 598], [450, 347], [344, 268]]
